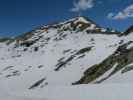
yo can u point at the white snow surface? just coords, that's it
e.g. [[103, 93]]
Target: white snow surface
[[79, 92], [27, 64], [21, 67]]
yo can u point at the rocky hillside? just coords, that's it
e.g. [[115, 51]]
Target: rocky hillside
[[76, 51]]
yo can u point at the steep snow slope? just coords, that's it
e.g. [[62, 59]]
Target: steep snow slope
[[55, 57], [124, 73], [62, 54]]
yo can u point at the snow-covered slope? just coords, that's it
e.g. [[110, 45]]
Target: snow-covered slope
[[79, 92], [76, 51]]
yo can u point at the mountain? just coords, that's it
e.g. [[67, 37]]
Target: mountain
[[73, 52]]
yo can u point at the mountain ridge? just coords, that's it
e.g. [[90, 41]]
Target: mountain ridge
[[73, 52], [83, 18]]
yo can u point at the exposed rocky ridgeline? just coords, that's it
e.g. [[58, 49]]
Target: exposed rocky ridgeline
[[129, 30], [77, 24], [76, 51], [119, 60]]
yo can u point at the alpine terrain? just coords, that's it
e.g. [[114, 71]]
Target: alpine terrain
[[58, 58]]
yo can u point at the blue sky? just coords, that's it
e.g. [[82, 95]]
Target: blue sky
[[19, 16]]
